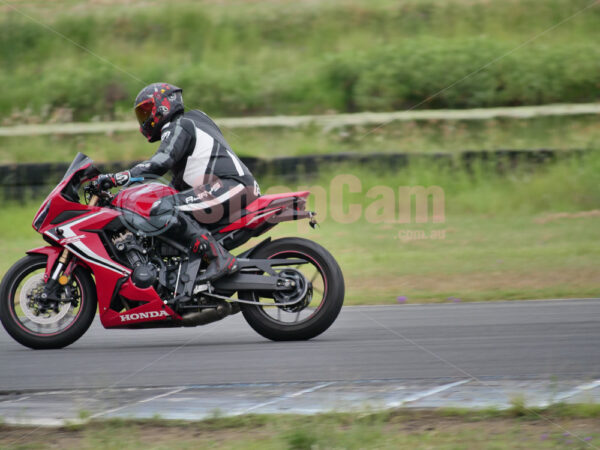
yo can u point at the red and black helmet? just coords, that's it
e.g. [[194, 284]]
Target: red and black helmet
[[156, 105]]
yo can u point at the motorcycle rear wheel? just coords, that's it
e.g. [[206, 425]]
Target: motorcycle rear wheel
[[321, 304], [22, 318]]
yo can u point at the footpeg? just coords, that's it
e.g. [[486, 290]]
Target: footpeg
[[201, 288]]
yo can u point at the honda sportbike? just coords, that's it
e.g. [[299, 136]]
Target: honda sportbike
[[103, 256]]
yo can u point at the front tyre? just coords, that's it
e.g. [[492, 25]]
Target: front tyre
[[32, 323], [321, 284]]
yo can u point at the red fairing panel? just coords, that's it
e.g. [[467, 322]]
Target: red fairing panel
[[140, 199], [59, 204], [153, 310], [80, 235], [87, 246], [265, 200], [259, 211], [251, 220]]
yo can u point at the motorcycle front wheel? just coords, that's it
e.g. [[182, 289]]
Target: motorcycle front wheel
[[315, 302], [32, 323]]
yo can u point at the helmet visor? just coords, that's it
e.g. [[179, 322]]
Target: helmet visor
[[143, 111]]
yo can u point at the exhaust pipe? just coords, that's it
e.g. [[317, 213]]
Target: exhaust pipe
[[209, 315]]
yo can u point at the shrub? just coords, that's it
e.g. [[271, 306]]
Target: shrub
[[293, 58]]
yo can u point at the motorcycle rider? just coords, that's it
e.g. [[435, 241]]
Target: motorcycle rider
[[208, 175]]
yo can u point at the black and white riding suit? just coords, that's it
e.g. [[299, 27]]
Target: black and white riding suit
[[212, 181], [206, 171]]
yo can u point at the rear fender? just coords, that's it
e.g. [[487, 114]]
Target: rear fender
[[292, 209], [248, 253]]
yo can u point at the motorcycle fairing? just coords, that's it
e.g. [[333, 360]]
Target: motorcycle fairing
[[76, 235], [80, 238], [271, 209], [63, 196], [265, 200], [152, 310]]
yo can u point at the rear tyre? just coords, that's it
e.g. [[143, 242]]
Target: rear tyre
[[320, 305], [45, 329]]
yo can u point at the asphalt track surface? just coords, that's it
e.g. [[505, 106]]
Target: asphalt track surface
[[513, 340], [455, 354]]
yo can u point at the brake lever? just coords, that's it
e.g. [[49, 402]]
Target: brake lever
[[134, 180]]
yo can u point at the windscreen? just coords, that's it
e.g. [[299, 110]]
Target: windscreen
[[75, 176], [79, 161]]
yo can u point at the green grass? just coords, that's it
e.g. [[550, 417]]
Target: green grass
[[406, 429], [416, 137], [281, 57], [502, 236]]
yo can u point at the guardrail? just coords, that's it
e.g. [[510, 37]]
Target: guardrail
[[327, 121], [19, 182]]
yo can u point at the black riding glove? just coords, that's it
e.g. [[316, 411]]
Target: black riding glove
[[110, 180]]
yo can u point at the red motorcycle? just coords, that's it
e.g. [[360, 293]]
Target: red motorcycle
[[104, 255]]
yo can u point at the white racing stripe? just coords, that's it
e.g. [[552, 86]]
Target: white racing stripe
[[237, 164], [215, 201], [83, 251], [197, 162], [255, 218]]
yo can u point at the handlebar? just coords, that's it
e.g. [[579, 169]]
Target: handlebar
[[93, 189]]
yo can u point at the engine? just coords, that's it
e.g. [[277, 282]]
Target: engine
[[145, 273], [155, 263], [140, 256]]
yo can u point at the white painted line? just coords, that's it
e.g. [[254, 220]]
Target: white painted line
[[577, 390], [498, 303], [285, 397], [166, 394], [420, 395], [93, 390], [20, 399], [38, 422], [128, 405], [98, 389], [109, 411], [65, 392]]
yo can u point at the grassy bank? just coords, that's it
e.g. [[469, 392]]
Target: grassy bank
[[572, 426], [417, 136], [527, 234], [279, 57]]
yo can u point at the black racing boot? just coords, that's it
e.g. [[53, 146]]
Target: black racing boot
[[221, 261], [203, 244]]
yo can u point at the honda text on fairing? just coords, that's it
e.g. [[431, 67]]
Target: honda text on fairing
[[102, 256]]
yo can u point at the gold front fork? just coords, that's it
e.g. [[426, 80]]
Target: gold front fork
[[93, 200], [62, 260]]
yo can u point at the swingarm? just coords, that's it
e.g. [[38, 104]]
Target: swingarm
[[287, 287]]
